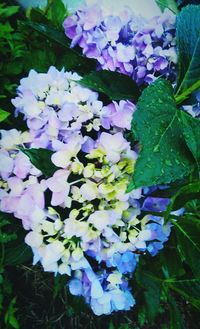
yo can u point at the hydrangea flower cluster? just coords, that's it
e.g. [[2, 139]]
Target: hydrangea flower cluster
[[80, 219], [126, 43], [55, 108]]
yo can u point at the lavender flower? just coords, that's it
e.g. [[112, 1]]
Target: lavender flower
[[125, 43]]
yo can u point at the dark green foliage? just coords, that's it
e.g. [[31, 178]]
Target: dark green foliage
[[188, 232], [8, 239], [191, 131], [115, 85], [41, 159], [185, 193], [176, 316], [188, 42], [152, 291]]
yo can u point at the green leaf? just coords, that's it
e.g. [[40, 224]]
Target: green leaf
[[115, 85], [77, 62], [19, 254], [37, 15], [41, 159], [6, 11], [186, 193], [51, 33], [191, 131], [40, 59], [3, 115], [56, 12], [111, 325], [164, 157], [176, 316], [188, 232], [188, 43], [188, 290], [170, 4], [172, 265], [10, 317], [152, 290]]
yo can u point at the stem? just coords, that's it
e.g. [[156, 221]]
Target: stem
[[180, 98], [77, 181]]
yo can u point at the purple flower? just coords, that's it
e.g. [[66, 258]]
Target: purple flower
[[155, 204], [118, 114], [59, 186], [125, 43]]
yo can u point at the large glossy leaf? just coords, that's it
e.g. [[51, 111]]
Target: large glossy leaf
[[188, 42], [115, 85], [188, 233], [51, 33], [41, 159], [77, 61], [164, 157]]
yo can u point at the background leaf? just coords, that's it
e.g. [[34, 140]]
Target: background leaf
[[17, 254], [186, 193], [152, 289], [176, 316], [56, 12], [115, 85], [188, 289], [188, 43], [41, 159], [170, 4], [3, 115], [70, 58], [188, 232], [191, 131]]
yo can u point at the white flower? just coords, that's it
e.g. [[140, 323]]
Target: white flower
[[89, 191], [113, 145], [64, 269], [103, 218], [34, 239], [52, 253], [77, 254], [115, 278], [63, 157], [75, 228]]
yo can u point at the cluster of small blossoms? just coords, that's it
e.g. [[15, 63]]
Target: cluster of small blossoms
[[126, 43], [104, 291], [81, 221], [56, 107]]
